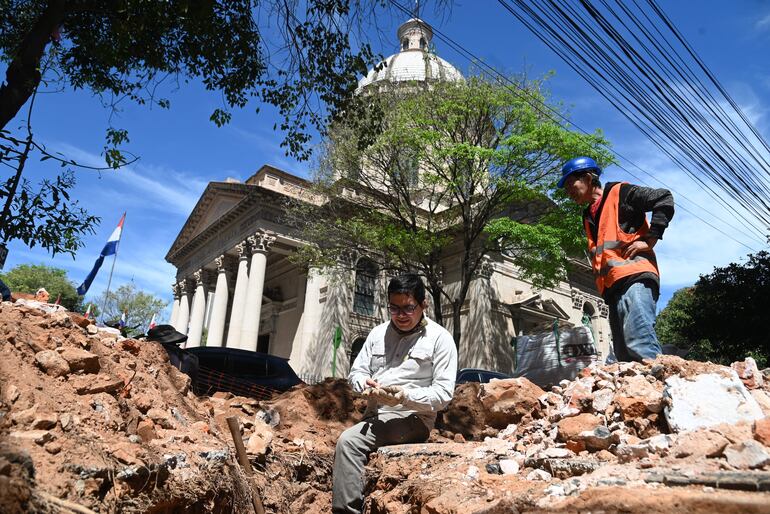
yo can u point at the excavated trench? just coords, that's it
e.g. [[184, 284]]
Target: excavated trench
[[90, 422]]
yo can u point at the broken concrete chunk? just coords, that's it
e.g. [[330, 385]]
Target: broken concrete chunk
[[40, 437], [761, 431], [509, 466], [571, 428], [629, 452], [749, 373], [747, 455], [81, 360], [52, 363], [599, 438], [539, 475], [708, 399], [95, 384]]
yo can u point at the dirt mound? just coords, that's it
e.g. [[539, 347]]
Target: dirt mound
[[102, 423]]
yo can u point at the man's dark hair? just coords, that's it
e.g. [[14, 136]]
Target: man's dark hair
[[408, 283]]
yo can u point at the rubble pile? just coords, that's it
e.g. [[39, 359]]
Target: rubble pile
[[90, 419], [93, 422], [627, 437]]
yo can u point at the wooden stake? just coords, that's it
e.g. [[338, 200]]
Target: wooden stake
[[243, 459]]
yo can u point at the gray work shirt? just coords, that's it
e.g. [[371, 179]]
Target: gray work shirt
[[424, 363]]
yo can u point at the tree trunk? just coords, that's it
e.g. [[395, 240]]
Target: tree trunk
[[23, 73], [435, 293], [456, 328]]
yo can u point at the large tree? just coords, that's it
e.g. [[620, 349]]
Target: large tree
[[443, 162], [138, 306], [302, 57], [721, 318], [28, 278]]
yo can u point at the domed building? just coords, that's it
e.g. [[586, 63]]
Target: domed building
[[237, 287]]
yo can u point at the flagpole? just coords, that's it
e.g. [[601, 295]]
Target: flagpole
[[109, 280]]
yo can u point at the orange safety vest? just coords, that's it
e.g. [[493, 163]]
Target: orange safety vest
[[606, 254]]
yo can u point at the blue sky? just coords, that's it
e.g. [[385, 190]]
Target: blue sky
[[181, 151]]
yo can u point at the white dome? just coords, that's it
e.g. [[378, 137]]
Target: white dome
[[413, 62]]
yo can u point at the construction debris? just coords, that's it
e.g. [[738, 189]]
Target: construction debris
[[90, 420]]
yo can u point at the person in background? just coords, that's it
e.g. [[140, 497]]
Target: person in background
[[406, 369], [5, 292], [620, 247]]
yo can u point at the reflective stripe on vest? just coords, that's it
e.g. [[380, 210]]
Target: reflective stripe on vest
[[606, 253]]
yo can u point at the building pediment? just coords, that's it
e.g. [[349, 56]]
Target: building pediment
[[534, 305], [217, 200]]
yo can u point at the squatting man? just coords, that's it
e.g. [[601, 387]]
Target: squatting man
[[620, 247], [406, 369]]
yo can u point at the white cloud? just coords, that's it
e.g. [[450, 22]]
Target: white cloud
[[763, 23]]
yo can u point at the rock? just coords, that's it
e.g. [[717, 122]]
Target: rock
[[749, 373], [52, 363], [10, 394], [79, 319], [579, 394], [66, 421], [761, 431], [53, 447], [539, 475], [40, 437], [95, 384], [659, 444], [699, 443], [628, 452], [708, 399], [24, 417], [146, 430], [160, 418], [638, 396], [556, 453], [44, 420], [630, 407], [260, 440], [92, 330], [201, 426], [602, 400], [508, 401], [81, 360], [747, 455], [509, 466], [181, 381], [763, 400], [597, 439], [571, 428]]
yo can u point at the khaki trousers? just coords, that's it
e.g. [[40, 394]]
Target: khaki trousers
[[354, 446]]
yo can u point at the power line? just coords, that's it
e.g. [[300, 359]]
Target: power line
[[540, 107], [569, 33]]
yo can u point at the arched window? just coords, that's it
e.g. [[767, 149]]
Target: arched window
[[355, 349], [422, 43], [363, 299], [405, 44]]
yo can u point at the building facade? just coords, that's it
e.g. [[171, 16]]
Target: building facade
[[237, 287]]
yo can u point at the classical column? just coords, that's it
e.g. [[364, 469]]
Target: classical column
[[175, 306], [197, 312], [183, 316], [239, 297], [309, 324], [260, 243], [219, 308]]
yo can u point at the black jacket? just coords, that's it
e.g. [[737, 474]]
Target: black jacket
[[634, 203]]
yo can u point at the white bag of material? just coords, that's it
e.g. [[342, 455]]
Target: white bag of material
[[542, 361]]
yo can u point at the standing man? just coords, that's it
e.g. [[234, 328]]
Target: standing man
[[407, 370], [620, 243]]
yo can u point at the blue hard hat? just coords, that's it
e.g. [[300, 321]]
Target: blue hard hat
[[578, 164]]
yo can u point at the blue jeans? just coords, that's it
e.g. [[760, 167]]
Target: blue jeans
[[632, 321]]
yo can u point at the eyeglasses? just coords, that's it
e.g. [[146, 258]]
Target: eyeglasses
[[395, 310]]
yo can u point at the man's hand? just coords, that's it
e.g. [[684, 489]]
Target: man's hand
[[387, 395], [640, 245]]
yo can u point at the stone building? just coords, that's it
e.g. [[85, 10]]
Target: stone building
[[237, 287]]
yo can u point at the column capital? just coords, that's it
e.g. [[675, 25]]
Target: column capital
[[260, 242], [182, 287], [220, 263], [175, 290], [198, 277], [241, 249]]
